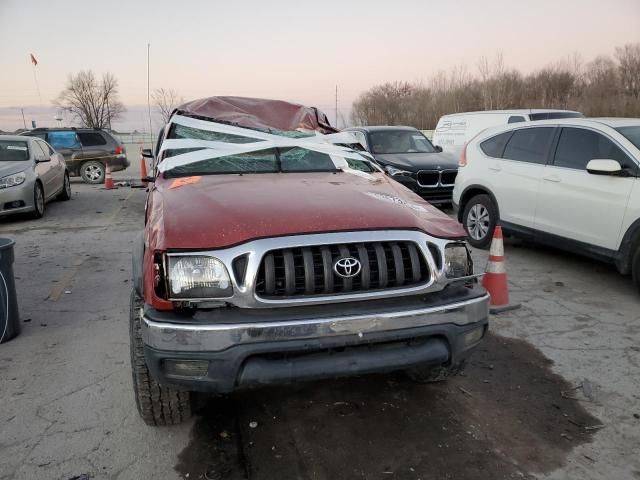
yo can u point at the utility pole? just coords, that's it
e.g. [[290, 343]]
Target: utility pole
[[24, 124], [336, 105], [149, 96]]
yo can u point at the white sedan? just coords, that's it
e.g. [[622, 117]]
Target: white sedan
[[31, 174], [569, 183]]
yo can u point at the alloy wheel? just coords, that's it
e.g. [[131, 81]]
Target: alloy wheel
[[478, 222], [93, 172]]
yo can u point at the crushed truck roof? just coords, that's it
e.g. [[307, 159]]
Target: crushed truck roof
[[258, 113]]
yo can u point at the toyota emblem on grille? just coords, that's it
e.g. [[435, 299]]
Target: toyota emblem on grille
[[347, 267]]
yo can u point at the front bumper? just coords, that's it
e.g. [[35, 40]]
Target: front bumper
[[23, 194], [278, 345]]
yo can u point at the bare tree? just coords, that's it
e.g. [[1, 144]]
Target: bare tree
[[629, 68], [93, 103], [166, 101]]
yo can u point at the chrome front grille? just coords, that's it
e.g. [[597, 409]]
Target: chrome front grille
[[436, 178], [245, 264], [309, 270]]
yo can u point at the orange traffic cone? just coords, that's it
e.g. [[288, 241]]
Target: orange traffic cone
[[108, 180], [495, 277], [143, 169]]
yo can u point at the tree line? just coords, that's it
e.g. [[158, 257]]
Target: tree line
[[606, 86]]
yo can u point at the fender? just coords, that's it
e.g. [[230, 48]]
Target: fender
[[137, 259], [464, 198], [630, 242]]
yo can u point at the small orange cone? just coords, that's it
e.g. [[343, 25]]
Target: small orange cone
[[108, 180], [495, 277], [143, 169]]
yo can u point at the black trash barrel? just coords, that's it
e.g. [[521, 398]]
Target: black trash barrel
[[9, 317]]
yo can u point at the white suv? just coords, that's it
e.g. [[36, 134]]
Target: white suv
[[570, 183]]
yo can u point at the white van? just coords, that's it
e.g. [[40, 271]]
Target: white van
[[455, 130]]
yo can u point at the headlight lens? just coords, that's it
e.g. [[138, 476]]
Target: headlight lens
[[12, 180], [457, 261], [396, 172], [198, 277]]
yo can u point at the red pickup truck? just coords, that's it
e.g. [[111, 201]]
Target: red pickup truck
[[275, 251]]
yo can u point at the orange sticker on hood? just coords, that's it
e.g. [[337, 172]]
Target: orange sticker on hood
[[180, 182]]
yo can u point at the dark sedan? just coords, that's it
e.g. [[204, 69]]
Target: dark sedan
[[411, 159]]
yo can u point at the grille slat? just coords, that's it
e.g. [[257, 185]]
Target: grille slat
[[363, 256], [327, 269], [289, 272], [270, 274], [398, 264], [381, 257], [309, 271], [415, 262]]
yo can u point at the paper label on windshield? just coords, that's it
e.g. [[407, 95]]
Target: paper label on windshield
[[15, 147]]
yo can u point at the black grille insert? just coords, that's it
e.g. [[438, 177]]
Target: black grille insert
[[428, 178], [448, 177], [309, 271], [434, 178]]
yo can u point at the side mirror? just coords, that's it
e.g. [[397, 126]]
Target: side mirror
[[147, 153], [438, 148], [604, 167]]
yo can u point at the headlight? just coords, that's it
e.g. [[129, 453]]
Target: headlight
[[457, 261], [396, 172], [12, 180], [198, 277]]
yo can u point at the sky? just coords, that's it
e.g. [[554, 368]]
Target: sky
[[290, 50]]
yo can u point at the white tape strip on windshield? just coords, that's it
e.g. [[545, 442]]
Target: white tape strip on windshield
[[263, 141]]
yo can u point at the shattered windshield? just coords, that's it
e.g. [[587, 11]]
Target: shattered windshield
[[269, 160]]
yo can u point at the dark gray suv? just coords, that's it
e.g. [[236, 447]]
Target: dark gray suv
[[411, 159], [86, 151]]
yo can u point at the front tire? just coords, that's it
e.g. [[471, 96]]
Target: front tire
[[65, 194], [38, 201], [479, 220], [92, 172], [157, 404]]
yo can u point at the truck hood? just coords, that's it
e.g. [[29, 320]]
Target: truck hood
[[218, 211], [419, 161]]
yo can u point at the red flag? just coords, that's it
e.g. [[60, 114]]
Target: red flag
[[33, 59]]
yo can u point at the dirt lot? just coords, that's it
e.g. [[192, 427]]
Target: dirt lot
[[67, 409]]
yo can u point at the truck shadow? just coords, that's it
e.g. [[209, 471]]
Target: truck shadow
[[505, 416]]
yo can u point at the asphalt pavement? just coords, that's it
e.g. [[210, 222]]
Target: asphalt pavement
[[553, 392]]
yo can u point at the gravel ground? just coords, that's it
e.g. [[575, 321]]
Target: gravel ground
[[67, 409]]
